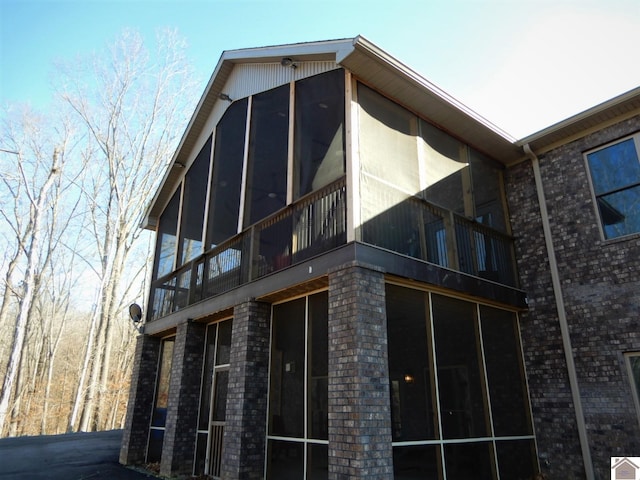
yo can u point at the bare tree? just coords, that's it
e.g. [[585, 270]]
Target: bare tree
[[132, 104], [29, 191]]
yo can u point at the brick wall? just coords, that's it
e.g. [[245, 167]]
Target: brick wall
[[245, 429], [359, 408], [143, 377], [601, 291], [184, 399]]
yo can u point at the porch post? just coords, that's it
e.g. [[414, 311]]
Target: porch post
[[359, 403], [143, 381], [245, 422], [184, 399]]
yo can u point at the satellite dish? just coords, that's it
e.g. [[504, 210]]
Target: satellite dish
[[135, 312]]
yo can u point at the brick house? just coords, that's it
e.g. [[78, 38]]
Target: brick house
[[356, 276]]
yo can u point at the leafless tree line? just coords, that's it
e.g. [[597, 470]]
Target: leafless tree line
[[74, 184]]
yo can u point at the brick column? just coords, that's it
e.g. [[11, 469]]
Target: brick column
[[245, 430], [184, 399], [359, 403], [143, 380]]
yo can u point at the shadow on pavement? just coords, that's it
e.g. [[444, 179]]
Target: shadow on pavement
[[74, 456]]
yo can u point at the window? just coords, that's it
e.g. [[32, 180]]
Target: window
[[166, 240], [633, 365], [227, 174], [193, 205], [298, 390], [159, 414], [319, 131], [267, 156], [615, 177], [459, 405]]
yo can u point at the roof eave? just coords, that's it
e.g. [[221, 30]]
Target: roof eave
[[612, 111]]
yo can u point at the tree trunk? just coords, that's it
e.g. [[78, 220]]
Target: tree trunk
[[33, 256]]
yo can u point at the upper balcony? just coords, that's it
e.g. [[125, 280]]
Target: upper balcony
[[290, 170], [316, 224]]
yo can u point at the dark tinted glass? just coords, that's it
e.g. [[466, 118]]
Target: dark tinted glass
[[227, 174], [286, 392], [516, 458], [417, 462], [193, 205], [505, 374], [285, 460], [201, 453], [207, 378], [220, 396], [460, 376], [412, 398], [319, 131], [470, 460], [319, 371], [317, 462], [154, 451], [268, 147], [224, 342], [166, 239]]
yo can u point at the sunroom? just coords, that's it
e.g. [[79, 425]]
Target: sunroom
[[294, 152], [355, 216]]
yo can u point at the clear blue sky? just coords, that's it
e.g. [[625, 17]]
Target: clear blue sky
[[522, 64]]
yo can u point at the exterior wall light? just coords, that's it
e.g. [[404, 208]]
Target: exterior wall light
[[288, 62]]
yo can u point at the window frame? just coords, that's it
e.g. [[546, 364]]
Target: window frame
[[495, 439], [306, 441], [636, 141], [635, 386]]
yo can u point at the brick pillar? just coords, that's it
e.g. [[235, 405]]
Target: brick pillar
[[245, 430], [184, 400], [359, 403], [143, 380]]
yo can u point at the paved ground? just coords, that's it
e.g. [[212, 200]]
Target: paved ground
[[75, 456]]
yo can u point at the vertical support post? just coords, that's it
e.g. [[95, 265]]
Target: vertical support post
[[143, 379], [359, 403], [245, 431], [184, 399]]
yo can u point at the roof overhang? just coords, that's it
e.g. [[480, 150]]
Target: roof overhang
[[612, 111], [376, 68]]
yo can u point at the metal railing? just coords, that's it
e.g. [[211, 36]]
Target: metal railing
[[425, 231], [314, 224]]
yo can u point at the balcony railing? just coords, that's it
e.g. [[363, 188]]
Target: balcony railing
[[314, 224], [425, 231]]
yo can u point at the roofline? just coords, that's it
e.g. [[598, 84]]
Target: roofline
[[582, 123], [412, 90], [364, 45]]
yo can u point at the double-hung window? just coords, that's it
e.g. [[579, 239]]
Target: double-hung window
[[615, 176]]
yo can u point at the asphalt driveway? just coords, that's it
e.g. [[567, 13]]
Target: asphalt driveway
[[74, 456]]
